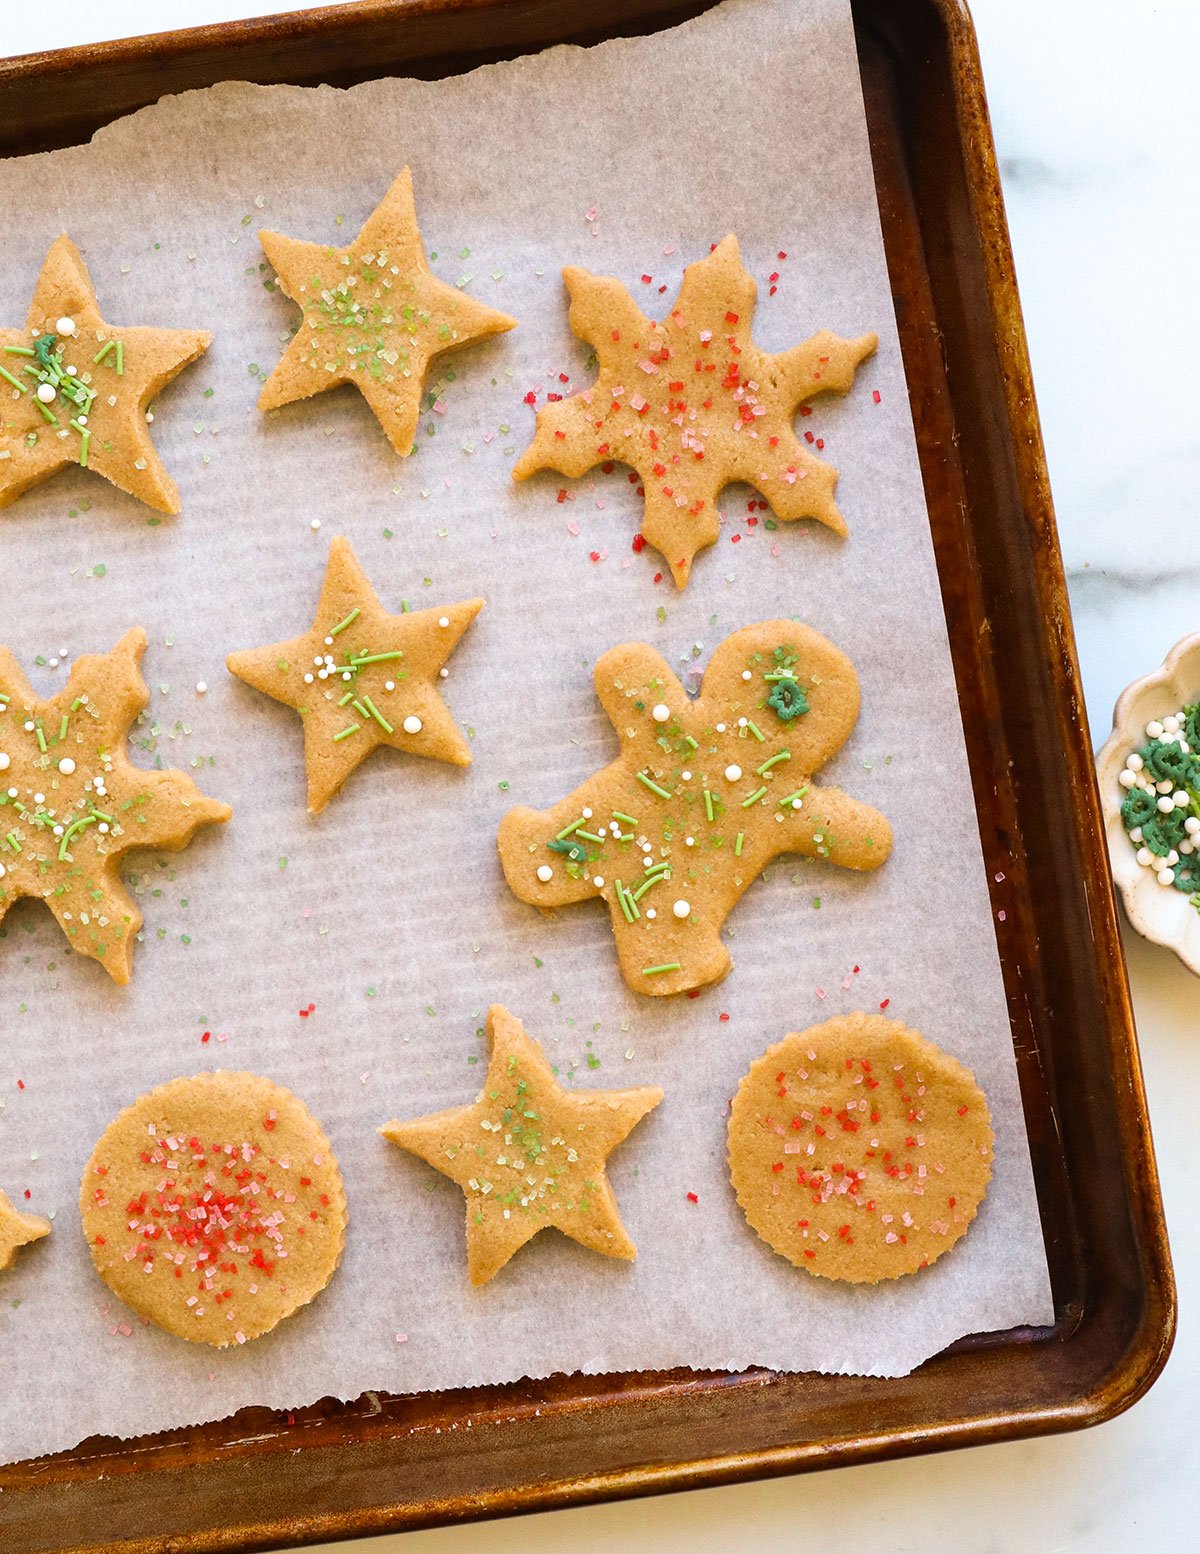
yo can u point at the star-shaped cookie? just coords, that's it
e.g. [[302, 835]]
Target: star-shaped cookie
[[528, 1154], [72, 803], [75, 390], [692, 404], [375, 315], [360, 677], [703, 795], [17, 1230]]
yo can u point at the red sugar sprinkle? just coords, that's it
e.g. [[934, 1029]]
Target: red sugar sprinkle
[[646, 279], [531, 398], [639, 542], [20, 1084], [885, 1003], [692, 1198], [723, 1017], [206, 1037], [28, 1194], [781, 254], [876, 396]]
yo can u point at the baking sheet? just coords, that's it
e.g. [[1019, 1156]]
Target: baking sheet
[[389, 916]]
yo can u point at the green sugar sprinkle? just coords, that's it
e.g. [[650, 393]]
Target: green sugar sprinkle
[[62, 729], [792, 797], [755, 730], [626, 904], [41, 737], [349, 621], [692, 744], [19, 350], [628, 819], [589, 836], [11, 839], [653, 786], [120, 358], [568, 830], [754, 797], [369, 658], [346, 732], [378, 716], [108, 346], [708, 804], [737, 846], [349, 696], [655, 971], [784, 755], [359, 708]]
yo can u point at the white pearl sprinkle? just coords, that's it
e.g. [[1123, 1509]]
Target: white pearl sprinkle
[[1127, 779], [1170, 724], [315, 525], [1166, 804], [720, 728], [689, 841], [661, 713], [1145, 857], [746, 675], [651, 913], [12, 793], [742, 722], [586, 812], [682, 909], [545, 873], [687, 776], [5, 761], [1134, 762], [412, 724], [1166, 876], [201, 687], [1154, 730], [443, 674], [149, 417], [308, 678], [389, 685], [39, 798], [443, 620], [598, 881], [3, 871], [1191, 825], [65, 326], [29, 726], [732, 773], [46, 392], [66, 766], [1180, 799], [1135, 835]]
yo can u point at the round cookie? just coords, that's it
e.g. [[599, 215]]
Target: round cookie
[[858, 1150], [214, 1206]]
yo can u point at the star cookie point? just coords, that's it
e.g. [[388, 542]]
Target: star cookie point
[[72, 803], [691, 404], [75, 389], [17, 1229], [704, 793], [528, 1154], [361, 677], [374, 315]]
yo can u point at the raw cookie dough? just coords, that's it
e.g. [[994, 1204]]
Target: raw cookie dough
[[691, 403], [17, 1229], [375, 315], [72, 803], [214, 1206], [858, 1150], [528, 1154], [360, 677], [76, 390], [703, 795]]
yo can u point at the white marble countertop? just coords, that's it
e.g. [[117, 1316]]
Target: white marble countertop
[[1097, 122]]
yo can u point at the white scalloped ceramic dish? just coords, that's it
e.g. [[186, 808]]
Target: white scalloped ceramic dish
[[1164, 916]]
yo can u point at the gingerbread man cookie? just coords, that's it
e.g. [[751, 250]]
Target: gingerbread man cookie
[[375, 315], [692, 404], [72, 804], [76, 390], [703, 795]]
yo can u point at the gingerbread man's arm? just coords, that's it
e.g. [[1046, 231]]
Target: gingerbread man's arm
[[549, 875], [832, 825]]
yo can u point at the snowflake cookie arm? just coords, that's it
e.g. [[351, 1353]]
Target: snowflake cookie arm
[[17, 1229], [100, 919]]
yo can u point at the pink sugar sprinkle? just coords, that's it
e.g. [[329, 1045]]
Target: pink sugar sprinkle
[[439, 407], [1002, 915], [820, 992], [401, 1338], [572, 527]]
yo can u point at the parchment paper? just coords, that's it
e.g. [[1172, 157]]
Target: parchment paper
[[388, 914]]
